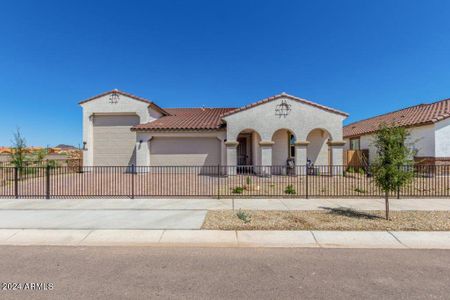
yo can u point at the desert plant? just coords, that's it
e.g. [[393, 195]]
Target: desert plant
[[18, 153], [38, 156], [392, 166], [242, 215], [289, 190], [238, 190]]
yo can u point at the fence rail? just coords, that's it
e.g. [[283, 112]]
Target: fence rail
[[211, 181]]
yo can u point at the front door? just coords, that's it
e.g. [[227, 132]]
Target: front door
[[242, 158]]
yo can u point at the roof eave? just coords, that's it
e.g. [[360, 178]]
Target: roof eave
[[151, 104], [284, 95], [375, 130]]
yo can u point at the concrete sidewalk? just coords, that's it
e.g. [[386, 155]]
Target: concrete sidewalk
[[152, 214], [212, 238], [215, 204]]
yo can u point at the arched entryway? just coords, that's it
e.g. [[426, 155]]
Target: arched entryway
[[318, 151], [283, 147], [248, 152]]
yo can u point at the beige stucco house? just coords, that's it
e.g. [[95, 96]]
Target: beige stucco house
[[120, 129], [428, 126]]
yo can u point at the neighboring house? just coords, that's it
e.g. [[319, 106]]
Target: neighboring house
[[120, 129], [428, 125]]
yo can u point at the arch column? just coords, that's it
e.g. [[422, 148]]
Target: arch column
[[301, 154], [266, 157], [337, 156], [231, 149]]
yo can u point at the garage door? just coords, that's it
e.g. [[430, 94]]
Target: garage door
[[184, 151], [114, 143]]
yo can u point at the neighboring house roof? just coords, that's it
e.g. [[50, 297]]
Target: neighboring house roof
[[413, 116], [66, 147], [150, 103], [284, 95], [187, 119]]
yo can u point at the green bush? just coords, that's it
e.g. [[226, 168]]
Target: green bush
[[351, 170], [358, 190], [248, 180], [289, 190], [238, 190], [361, 171]]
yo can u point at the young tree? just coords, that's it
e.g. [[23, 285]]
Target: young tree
[[393, 166], [18, 153]]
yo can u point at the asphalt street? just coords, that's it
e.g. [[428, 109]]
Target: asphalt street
[[223, 273]]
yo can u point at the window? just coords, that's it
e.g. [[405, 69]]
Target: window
[[291, 145], [355, 144]]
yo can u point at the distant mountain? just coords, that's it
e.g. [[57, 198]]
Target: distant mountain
[[66, 147]]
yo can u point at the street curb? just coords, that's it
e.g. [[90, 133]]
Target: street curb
[[233, 239]]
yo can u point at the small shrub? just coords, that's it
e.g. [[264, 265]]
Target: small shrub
[[361, 191], [243, 216], [351, 170], [289, 190], [238, 190], [361, 171], [248, 180]]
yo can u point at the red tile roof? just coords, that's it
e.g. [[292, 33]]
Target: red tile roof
[[187, 119], [150, 103], [413, 116], [284, 95]]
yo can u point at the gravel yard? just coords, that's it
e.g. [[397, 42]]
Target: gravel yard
[[330, 219]]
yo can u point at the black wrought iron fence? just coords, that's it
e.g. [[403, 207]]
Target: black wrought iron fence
[[211, 181]]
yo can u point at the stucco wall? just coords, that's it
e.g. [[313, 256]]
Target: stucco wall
[[442, 137], [301, 120]]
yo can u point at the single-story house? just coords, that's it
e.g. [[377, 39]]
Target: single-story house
[[120, 129], [428, 125]]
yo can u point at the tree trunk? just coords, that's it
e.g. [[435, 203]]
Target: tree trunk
[[386, 201]]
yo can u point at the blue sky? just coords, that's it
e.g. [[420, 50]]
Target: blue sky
[[362, 57]]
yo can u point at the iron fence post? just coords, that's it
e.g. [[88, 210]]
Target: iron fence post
[[133, 172], [16, 182], [306, 182], [218, 181], [47, 182]]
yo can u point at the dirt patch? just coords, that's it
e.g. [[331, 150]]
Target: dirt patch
[[329, 219]]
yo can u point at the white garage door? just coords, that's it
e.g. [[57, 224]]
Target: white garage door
[[114, 143], [184, 151]]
